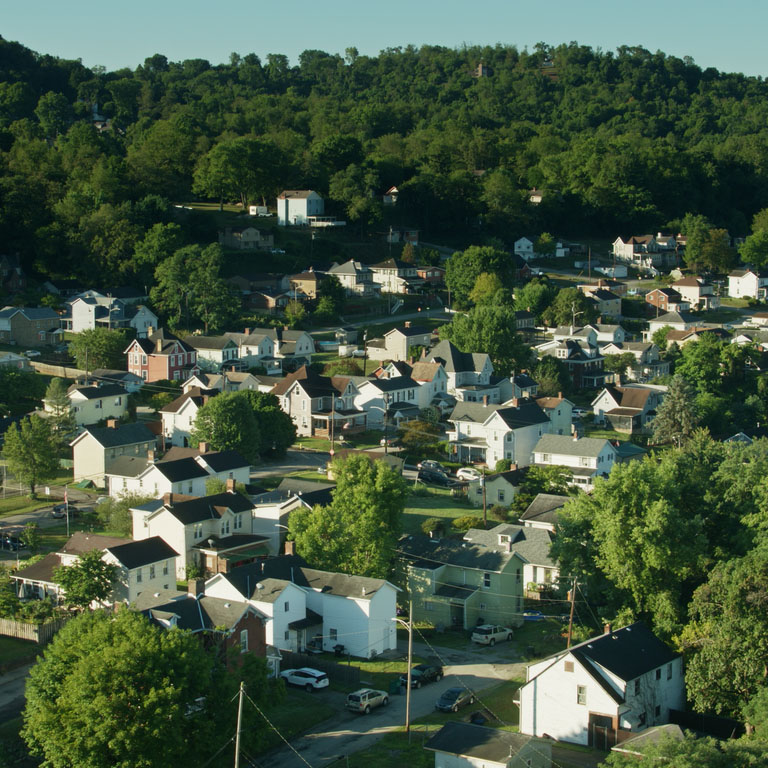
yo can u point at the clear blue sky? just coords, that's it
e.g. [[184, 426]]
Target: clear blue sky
[[726, 34]]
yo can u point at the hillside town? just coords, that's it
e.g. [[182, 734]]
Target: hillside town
[[311, 476]]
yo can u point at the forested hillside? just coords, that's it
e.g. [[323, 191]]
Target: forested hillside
[[618, 142]]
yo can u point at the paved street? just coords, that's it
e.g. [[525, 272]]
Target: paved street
[[294, 461], [12, 692]]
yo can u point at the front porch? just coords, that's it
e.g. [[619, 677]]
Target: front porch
[[344, 423], [469, 450]]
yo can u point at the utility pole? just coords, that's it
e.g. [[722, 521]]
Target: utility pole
[[408, 681], [570, 618], [239, 724], [333, 421], [485, 505]]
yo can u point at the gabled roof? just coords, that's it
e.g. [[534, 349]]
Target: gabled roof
[[422, 371], [167, 343], [456, 361], [96, 393], [209, 342], [136, 554], [128, 466], [179, 470], [81, 542], [531, 544], [190, 510], [127, 434], [526, 413], [296, 194], [393, 384], [30, 313], [196, 613], [432, 554], [224, 461], [524, 381], [475, 412], [195, 394], [413, 330], [568, 446], [477, 742], [392, 264], [543, 508]]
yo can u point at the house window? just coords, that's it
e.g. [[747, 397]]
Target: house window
[[669, 671], [637, 687], [333, 634], [486, 580], [138, 575], [244, 641], [286, 606], [429, 606], [657, 711], [165, 568], [569, 666], [287, 634], [658, 674], [501, 495], [479, 491], [546, 458], [189, 488], [583, 461], [581, 694], [151, 571]]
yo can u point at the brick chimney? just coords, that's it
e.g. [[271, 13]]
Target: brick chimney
[[151, 456], [515, 402], [111, 423], [196, 587], [607, 629], [150, 330], [513, 466], [485, 401], [230, 485], [202, 446], [289, 547], [247, 331], [159, 345], [560, 395], [407, 324], [168, 499]]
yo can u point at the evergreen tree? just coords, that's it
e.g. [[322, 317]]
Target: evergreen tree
[[61, 418], [676, 417]]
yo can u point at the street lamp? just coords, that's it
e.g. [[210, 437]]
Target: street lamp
[[409, 626]]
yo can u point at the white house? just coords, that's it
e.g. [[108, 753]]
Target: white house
[[630, 408], [398, 343], [432, 380], [524, 248], [748, 283], [213, 351], [294, 206], [697, 292], [464, 745], [387, 401], [543, 511], [622, 680], [91, 404], [211, 532], [356, 278], [306, 607], [183, 476], [559, 411], [140, 565], [178, 417], [469, 373], [488, 433], [586, 457], [395, 276]]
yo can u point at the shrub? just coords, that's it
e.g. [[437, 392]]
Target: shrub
[[502, 465], [463, 524], [433, 525]]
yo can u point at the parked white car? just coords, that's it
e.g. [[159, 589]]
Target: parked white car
[[490, 634], [468, 473], [306, 677]]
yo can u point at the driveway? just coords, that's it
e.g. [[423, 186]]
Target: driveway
[[348, 732], [12, 692], [294, 461]]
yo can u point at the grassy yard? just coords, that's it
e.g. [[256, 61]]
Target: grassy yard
[[19, 505], [297, 712], [12, 650], [433, 502], [377, 673], [728, 301]]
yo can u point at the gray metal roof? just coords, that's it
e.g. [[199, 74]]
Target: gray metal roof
[[477, 742], [567, 446]]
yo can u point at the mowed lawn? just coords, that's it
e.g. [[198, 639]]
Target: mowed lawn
[[434, 502]]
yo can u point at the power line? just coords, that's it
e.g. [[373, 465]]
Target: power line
[[275, 729]]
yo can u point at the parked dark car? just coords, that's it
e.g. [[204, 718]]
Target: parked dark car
[[12, 543], [434, 466], [454, 699], [432, 477], [422, 674], [60, 510]]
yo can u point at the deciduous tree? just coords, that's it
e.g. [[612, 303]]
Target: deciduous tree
[[87, 580], [30, 451], [99, 348]]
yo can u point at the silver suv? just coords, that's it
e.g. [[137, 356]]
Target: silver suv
[[490, 634], [366, 699]]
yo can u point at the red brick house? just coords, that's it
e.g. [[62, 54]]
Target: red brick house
[[161, 356]]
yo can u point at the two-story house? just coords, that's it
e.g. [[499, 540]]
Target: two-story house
[[648, 364], [388, 400], [587, 457], [295, 206], [432, 380], [305, 607], [468, 372], [581, 358], [245, 238], [178, 417], [139, 566], [559, 411], [92, 403], [210, 532], [544, 511], [530, 544], [630, 408], [523, 248], [96, 448], [697, 292], [748, 283], [213, 352], [639, 250], [227, 381], [667, 300], [623, 680], [395, 276], [306, 283], [356, 278], [321, 406], [30, 326], [161, 355], [293, 348], [256, 347], [399, 343], [462, 583]]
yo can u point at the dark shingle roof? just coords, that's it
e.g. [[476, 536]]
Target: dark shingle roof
[[94, 393], [544, 508], [180, 470], [195, 510], [524, 414], [144, 552], [478, 742], [223, 461], [432, 554], [195, 613], [124, 435]]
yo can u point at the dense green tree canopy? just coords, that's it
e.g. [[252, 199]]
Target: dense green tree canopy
[[357, 532], [86, 581], [99, 348], [31, 452]]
